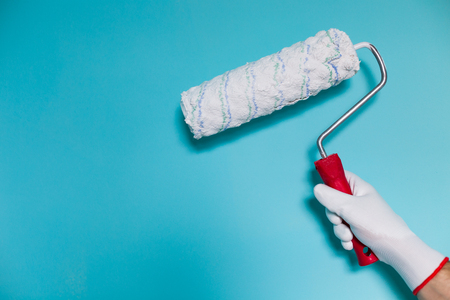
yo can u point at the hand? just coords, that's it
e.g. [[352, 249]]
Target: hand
[[376, 225]]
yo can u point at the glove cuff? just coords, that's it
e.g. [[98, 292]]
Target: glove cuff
[[417, 289], [415, 261]]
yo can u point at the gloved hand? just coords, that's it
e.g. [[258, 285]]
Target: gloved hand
[[376, 225]]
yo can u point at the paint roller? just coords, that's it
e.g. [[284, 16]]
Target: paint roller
[[292, 74]]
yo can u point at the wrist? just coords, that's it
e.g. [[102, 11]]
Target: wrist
[[414, 260], [433, 284], [438, 287]]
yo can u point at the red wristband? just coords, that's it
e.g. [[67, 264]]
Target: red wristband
[[417, 289]]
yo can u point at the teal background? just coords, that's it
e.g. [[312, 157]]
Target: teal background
[[104, 194]]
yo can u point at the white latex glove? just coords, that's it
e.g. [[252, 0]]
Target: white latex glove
[[377, 226]]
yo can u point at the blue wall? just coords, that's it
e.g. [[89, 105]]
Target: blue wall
[[104, 194]]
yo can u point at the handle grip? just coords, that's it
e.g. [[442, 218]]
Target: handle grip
[[332, 173]]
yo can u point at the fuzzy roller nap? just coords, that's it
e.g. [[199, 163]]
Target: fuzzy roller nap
[[261, 87]]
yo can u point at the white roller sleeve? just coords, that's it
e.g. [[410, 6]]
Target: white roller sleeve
[[261, 87]]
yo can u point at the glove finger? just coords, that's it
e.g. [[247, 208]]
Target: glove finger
[[334, 218], [358, 186], [343, 232], [347, 245], [332, 199]]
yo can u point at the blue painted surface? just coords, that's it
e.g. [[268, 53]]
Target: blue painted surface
[[105, 195]]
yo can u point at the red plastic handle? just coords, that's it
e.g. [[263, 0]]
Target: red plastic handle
[[332, 173]]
